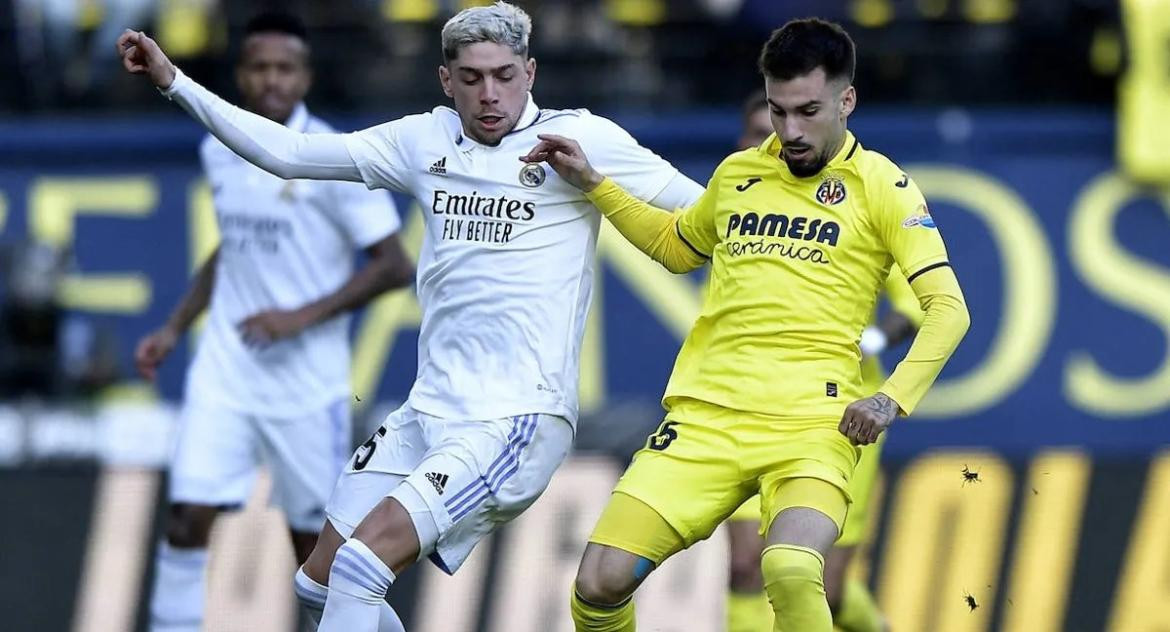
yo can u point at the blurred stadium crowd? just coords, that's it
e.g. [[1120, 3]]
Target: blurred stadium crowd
[[381, 54]]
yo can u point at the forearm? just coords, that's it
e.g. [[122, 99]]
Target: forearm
[[197, 297], [946, 321], [652, 230], [267, 144], [367, 283]]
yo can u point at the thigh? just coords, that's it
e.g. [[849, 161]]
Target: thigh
[[630, 525], [812, 452], [688, 473], [376, 468], [215, 456], [481, 475], [861, 486], [808, 513], [305, 455]]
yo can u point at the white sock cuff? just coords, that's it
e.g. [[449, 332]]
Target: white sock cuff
[[357, 564], [308, 590], [175, 554]]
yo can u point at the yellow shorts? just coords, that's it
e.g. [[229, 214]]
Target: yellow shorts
[[861, 486], [705, 461]]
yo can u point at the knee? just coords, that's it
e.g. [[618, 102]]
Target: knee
[[607, 581], [189, 526], [792, 572]]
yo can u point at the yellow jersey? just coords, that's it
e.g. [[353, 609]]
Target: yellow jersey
[[796, 267]]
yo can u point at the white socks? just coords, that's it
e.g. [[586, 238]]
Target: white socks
[[176, 601], [356, 596]]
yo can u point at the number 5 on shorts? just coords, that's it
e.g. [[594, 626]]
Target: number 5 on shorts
[[362, 460], [666, 433]]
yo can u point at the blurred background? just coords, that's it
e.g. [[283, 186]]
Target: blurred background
[[1038, 130]]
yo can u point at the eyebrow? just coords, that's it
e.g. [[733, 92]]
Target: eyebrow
[[492, 70], [806, 104]]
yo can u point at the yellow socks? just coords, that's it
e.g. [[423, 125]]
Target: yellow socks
[[749, 612], [858, 612], [590, 617], [794, 580]]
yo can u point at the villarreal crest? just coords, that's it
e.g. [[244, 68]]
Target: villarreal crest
[[831, 192]]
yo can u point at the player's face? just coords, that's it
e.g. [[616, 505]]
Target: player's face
[[273, 74], [490, 85], [756, 127], [809, 114]]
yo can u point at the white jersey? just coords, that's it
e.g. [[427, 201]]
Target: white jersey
[[283, 244], [505, 274]]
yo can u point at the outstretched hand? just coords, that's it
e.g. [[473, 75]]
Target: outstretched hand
[[142, 56], [567, 158]]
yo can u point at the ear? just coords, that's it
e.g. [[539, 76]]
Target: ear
[[445, 80], [530, 70], [848, 102]]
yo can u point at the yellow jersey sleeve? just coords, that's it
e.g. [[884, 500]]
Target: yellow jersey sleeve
[[906, 226], [913, 240], [696, 225], [945, 322], [901, 296], [652, 230]]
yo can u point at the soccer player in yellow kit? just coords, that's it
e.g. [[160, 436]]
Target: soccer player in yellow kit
[[850, 601], [801, 232]]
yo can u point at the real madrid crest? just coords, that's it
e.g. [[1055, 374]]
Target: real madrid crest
[[532, 175], [831, 192]]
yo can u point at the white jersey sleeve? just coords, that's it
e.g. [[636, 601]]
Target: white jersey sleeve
[[367, 217], [267, 144], [381, 152], [616, 154]]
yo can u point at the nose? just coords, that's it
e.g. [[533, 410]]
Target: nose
[[792, 131], [271, 79], [490, 94]]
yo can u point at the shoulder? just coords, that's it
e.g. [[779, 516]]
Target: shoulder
[[414, 127], [746, 163], [877, 172], [213, 153]]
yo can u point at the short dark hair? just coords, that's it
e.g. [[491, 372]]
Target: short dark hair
[[277, 22], [801, 46], [758, 100]]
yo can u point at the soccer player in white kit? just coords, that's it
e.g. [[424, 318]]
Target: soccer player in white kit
[[504, 282], [270, 378]]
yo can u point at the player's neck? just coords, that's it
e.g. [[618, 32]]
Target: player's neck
[[838, 145]]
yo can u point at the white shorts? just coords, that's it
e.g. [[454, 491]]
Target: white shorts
[[218, 451], [458, 480]]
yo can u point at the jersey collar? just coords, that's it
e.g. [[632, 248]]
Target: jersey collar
[[528, 118], [771, 147], [299, 120]]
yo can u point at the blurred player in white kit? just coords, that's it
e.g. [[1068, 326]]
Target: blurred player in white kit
[[270, 379]]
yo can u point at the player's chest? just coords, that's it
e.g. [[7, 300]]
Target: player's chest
[[239, 187], [492, 199], [810, 219]]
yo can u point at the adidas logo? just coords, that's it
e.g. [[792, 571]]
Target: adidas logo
[[436, 479], [439, 168]]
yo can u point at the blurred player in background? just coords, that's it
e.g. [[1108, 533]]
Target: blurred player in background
[[505, 280], [801, 232], [849, 599], [270, 379]]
